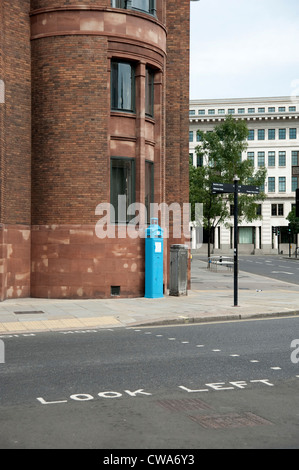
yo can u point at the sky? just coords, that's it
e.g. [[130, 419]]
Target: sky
[[244, 48]]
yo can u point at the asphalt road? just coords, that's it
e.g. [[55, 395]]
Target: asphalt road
[[276, 267], [219, 385]]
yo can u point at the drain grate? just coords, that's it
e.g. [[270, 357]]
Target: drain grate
[[185, 404], [231, 420], [29, 312]]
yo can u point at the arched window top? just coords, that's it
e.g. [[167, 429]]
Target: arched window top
[[145, 6]]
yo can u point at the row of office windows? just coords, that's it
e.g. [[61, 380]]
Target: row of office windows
[[272, 181], [272, 158], [271, 162], [147, 6], [270, 109], [260, 133], [272, 134], [277, 210]]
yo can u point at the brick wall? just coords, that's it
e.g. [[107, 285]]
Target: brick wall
[[16, 112], [15, 149], [177, 102], [70, 169]]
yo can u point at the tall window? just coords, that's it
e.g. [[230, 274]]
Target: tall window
[[261, 159], [282, 134], [261, 134], [250, 157], [251, 134], [295, 155], [122, 86], [282, 184], [271, 184], [149, 92], [271, 159], [282, 158], [149, 188], [122, 187], [293, 133], [271, 134]]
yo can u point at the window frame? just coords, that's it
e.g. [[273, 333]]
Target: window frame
[[150, 92], [271, 184], [282, 184], [149, 182], [261, 159], [261, 134], [282, 133], [129, 5], [293, 133], [115, 92], [271, 158], [282, 158], [130, 191]]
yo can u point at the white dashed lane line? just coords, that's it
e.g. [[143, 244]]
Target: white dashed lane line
[[203, 346]]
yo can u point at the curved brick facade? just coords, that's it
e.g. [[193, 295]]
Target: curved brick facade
[[75, 135]]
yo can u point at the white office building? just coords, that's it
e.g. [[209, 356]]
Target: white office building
[[273, 142]]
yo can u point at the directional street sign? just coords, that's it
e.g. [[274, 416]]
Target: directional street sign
[[225, 188], [221, 188], [248, 189]]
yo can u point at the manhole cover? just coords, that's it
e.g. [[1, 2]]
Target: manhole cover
[[232, 420], [183, 404]]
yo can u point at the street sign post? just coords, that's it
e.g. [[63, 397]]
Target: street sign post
[[227, 188]]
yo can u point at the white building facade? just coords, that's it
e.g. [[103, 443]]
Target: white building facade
[[273, 143]]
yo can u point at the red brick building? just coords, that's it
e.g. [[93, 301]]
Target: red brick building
[[96, 99]]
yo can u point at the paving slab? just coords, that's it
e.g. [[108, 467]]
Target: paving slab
[[210, 298]]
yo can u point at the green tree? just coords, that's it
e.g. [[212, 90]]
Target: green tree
[[293, 221], [220, 151]]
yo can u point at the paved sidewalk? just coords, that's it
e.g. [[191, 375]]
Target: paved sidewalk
[[211, 298]]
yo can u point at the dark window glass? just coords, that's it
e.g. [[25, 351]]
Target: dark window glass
[[122, 188], [149, 6], [149, 92], [122, 86], [149, 188]]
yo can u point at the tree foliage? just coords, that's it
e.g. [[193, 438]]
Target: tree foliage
[[220, 151], [293, 221]]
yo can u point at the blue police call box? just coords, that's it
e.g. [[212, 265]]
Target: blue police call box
[[154, 260]]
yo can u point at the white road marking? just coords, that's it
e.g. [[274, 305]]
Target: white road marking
[[281, 272]]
